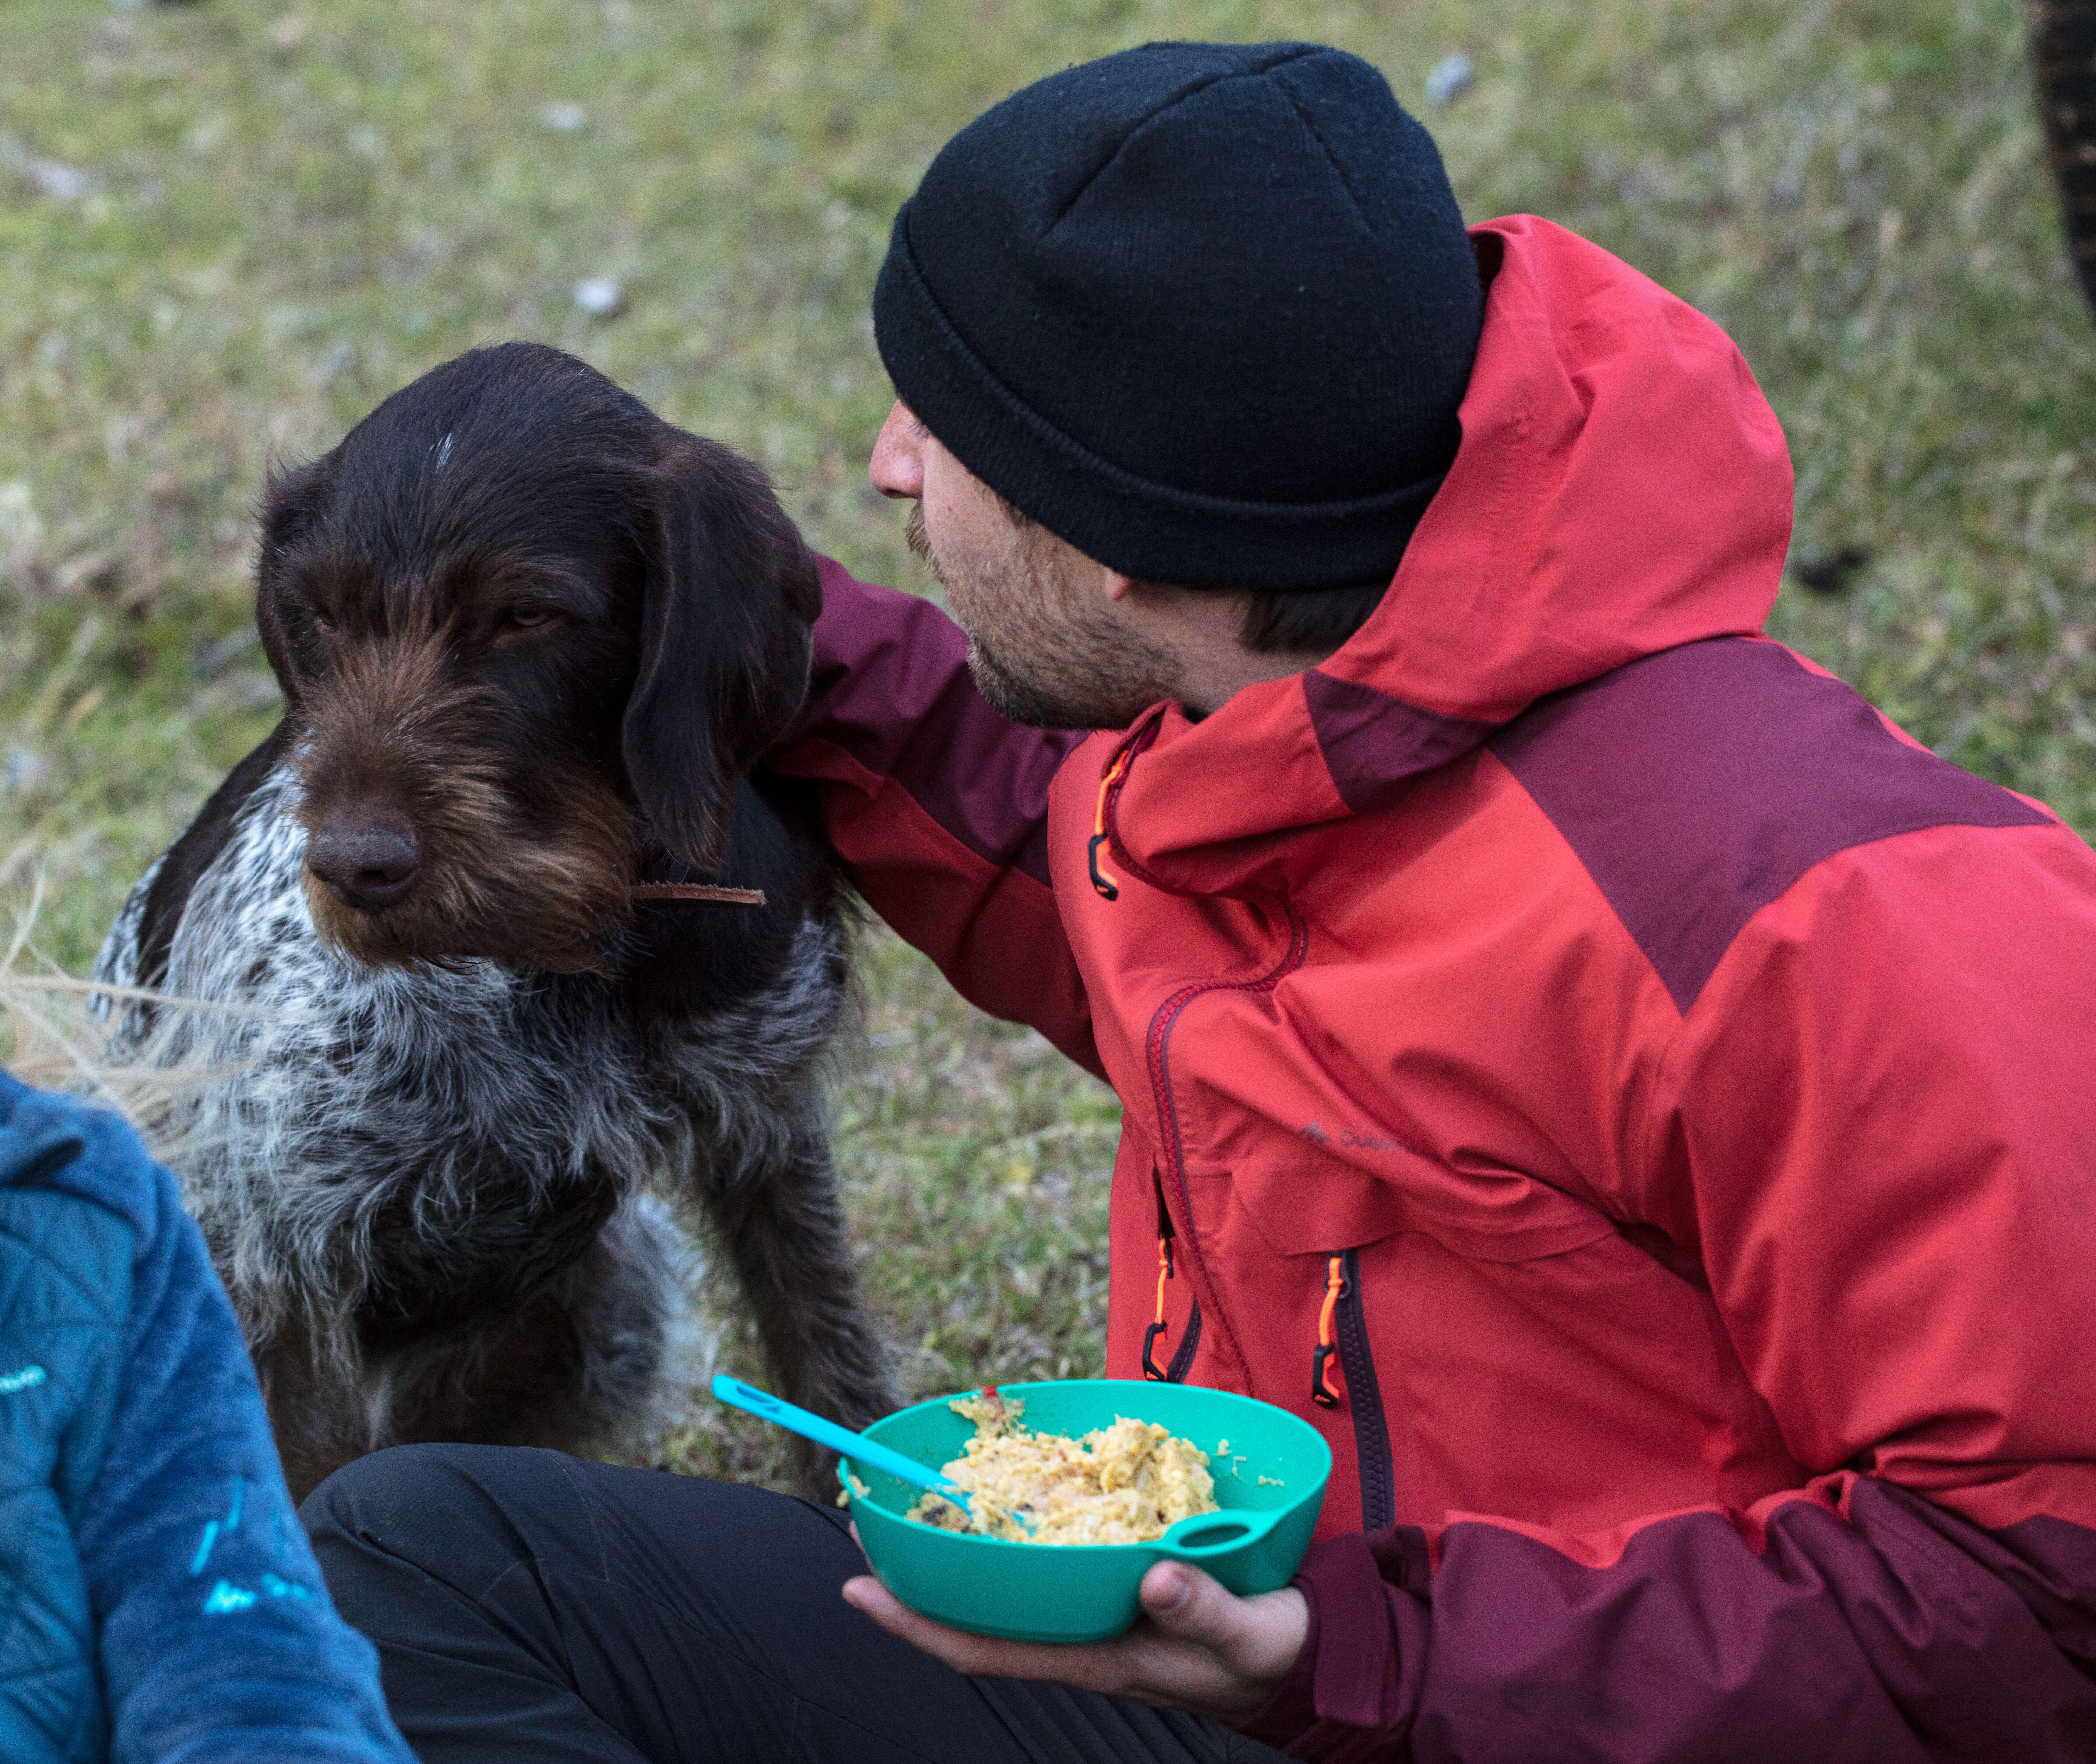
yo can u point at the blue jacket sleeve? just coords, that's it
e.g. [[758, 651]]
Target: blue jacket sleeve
[[217, 1637]]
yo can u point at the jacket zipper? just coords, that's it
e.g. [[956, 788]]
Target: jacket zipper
[[1371, 1425], [1342, 1334], [1176, 1372], [1158, 1049], [1364, 1397]]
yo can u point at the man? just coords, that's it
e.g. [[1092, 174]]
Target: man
[[1670, 1074]]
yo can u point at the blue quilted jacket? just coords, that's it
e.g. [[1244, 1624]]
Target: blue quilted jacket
[[158, 1600]]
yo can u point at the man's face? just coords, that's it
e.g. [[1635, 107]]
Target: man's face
[[1046, 645]]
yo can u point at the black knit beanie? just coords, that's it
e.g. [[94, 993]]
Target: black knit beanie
[[1204, 310]]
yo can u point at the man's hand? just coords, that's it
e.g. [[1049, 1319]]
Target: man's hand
[[1195, 1646]]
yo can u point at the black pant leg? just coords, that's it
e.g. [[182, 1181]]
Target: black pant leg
[[528, 1606]]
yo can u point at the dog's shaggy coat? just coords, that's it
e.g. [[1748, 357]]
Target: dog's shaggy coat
[[530, 638]]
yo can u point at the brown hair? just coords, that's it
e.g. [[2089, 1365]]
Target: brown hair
[[1310, 619], [1318, 619]]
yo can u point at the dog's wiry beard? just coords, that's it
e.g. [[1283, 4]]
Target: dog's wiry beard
[[387, 725], [1044, 651], [524, 901]]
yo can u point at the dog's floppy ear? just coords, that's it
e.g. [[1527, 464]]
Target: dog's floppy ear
[[293, 502], [730, 594]]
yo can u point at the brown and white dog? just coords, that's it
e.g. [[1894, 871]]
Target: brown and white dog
[[530, 638]]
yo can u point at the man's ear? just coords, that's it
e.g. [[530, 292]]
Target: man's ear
[[731, 591]]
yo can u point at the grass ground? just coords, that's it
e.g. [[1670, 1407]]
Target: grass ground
[[227, 228]]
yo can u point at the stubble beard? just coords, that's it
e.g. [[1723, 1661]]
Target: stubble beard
[[1061, 662]]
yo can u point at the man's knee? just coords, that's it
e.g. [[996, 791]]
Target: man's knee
[[462, 1514]]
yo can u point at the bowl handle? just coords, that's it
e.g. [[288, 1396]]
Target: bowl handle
[[1207, 1535]]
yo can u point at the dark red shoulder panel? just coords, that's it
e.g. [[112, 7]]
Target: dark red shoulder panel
[[1698, 785], [1375, 744]]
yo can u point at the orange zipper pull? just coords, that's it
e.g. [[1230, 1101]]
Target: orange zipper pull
[[1104, 882], [1321, 1392], [1150, 1367], [1164, 1235]]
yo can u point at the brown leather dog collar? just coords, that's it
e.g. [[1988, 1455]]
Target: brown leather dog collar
[[704, 894]]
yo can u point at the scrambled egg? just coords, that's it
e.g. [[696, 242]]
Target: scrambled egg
[[1122, 1484]]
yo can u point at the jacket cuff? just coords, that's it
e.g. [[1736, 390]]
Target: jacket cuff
[[1341, 1700], [1292, 1709]]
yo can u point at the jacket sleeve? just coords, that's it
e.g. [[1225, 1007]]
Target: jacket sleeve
[[938, 805], [218, 1641], [1877, 1129]]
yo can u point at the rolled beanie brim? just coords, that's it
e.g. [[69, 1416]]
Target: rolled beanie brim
[[1152, 531]]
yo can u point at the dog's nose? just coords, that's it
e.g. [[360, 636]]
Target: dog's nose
[[368, 856]]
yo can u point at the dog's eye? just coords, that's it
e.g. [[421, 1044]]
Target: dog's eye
[[526, 616]]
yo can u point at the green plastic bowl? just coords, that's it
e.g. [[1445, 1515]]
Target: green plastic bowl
[[1073, 1592]]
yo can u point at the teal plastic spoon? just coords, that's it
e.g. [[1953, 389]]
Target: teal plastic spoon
[[854, 1446]]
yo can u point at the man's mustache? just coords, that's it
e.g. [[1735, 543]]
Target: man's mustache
[[914, 536]]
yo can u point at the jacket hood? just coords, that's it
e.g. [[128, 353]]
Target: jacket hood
[[1623, 487]]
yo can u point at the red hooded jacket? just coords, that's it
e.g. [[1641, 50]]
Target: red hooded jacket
[[1628, 1095]]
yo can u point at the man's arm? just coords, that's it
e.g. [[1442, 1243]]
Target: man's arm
[[938, 805]]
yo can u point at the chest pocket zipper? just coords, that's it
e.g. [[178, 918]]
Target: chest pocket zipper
[[1342, 1334], [1175, 1373]]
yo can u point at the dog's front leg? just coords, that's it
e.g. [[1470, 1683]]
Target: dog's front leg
[[776, 1213], [318, 1412]]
